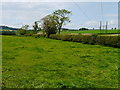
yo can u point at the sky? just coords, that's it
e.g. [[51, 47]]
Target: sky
[[84, 14]]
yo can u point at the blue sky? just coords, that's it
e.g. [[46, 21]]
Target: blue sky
[[84, 14]]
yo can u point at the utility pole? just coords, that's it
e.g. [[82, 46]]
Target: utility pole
[[103, 27], [100, 26], [106, 26], [119, 15]]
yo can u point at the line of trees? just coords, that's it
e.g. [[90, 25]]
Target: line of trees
[[54, 22], [50, 24]]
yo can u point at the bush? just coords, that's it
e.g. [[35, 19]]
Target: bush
[[28, 34], [56, 36], [77, 38], [66, 37], [93, 40], [83, 29], [112, 41], [49, 25], [38, 35], [86, 39], [31, 32], [43, 35], [8, 33], [21, 31]]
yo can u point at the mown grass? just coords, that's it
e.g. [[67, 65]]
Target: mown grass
[[29, 62], [91, 31]]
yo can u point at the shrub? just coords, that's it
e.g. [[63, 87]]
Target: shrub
[[86, 39], [36, 35], [49, 25], [8, 33], [43, 35], [66, 37], [112, 41], [77, 38], [55, 36], [21, 31], [28, 34], [83, 29], [93, 40]]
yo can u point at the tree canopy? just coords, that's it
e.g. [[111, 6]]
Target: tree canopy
[[49, 25], [61, 17], [53, 22]]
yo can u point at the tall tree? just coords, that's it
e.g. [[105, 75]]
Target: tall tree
[[25, 27], [61, 17], [35, 26]]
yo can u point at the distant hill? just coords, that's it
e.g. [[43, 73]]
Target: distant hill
[[7, 28]]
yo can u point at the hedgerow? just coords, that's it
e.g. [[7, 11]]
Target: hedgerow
[[112, 41], [8, 33]]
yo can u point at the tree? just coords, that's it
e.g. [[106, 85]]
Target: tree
[[61, 17], [25, 27], [83, 29], [49, 25], [21, 31], [35, 26]]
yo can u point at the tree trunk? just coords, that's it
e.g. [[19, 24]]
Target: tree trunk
[[59, 30]]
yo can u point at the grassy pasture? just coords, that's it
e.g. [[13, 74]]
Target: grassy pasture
[[29, 62], [91, 31]]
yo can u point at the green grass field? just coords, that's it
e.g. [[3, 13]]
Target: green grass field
[[91, 31], [29, 62]]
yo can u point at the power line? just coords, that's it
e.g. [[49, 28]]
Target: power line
[[102, 16], [81, 10]]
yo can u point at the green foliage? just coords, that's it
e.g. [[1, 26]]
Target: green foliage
[[7, 32], [38, 35], [112, 41], [36, 26], [29, 62], [61, 17], [83, 29], [49, 25], [77, 38], [90, 31], [66, 37], [21, 31], [28, 34], [25, 27], [56, 36]]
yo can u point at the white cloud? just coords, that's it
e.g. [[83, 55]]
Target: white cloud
[[111, 15], [113, 23], [91, 24], [72, 25], [18, 14]]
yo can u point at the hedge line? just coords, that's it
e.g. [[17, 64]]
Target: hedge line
[[8, 33], [113, 41]]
